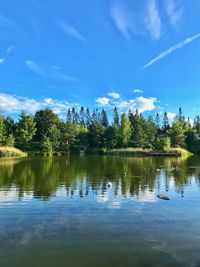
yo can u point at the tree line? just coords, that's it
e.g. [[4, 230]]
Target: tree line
[[46, 132]]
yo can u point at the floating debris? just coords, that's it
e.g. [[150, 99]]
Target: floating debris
[[163, 197]]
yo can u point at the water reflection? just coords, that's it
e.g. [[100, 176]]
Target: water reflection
[[99, 175]]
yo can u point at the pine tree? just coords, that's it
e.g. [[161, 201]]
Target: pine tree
[[88, 118], [2, 132], [165, 124], [157, 121], [69, 117], [82, 117], [104, 118], [116, 117]]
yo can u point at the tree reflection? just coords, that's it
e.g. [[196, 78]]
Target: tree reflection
[[81, 175]]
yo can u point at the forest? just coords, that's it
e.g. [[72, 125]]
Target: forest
[[45, 133]]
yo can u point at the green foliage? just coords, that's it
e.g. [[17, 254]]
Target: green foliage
[[11, 152], [177, 133], [10, 141], [25, 130], [2, 131], [47, 133], [46, 146], [166, 143], [125, 130]]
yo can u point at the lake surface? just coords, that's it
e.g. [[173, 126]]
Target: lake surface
[[99, 211]]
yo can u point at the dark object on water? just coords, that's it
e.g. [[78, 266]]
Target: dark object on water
[[162, 197]]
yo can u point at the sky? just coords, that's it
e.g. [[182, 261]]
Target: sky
[[100, 53]]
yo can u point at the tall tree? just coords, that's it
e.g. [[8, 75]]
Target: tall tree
[[116, 117], [2, 132], [45, 119], [157, 121], [125, 130], [25, 130], [88, 118], [165, 124], [104, 118]]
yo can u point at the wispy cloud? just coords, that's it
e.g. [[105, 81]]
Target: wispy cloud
[[34, 67], [9, 49], [172, 49], [10, 104], [173, 11], [152, 20], [114, 95], [72, 31], [2, 60], [9, 24], [120, 16], [54, 71], [137, 91], [104, 101]]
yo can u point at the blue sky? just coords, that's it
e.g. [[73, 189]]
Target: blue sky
[[130, 54]]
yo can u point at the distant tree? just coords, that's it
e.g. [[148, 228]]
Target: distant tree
[[10, 126], [165, 124], [125, 130], [44, 120], [177, 133], [10, 140], [2, 131], [110, 137], [157, 121], [95, 136], [82, 117], [46, 146], [166, 143], [104, 118], [69, 117], [88, 118], [116, 117], [25, 130], [151, 131]]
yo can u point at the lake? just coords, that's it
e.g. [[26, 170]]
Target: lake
[[99, 211]]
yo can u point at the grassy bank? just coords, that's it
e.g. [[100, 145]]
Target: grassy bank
[[11, 152], [172, 152]]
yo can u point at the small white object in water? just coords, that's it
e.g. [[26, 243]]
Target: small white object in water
[[109, 184]]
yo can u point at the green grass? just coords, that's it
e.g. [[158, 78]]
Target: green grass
[[11, 152], [180, 152]]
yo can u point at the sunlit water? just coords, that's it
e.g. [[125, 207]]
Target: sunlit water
[[99, 211]]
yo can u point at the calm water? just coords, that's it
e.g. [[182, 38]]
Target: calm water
[[99, 211]]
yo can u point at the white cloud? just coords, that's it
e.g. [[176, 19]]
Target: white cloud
[[137, 91], [2, 60], [121, 18], [152, 20], [73, 32], [171, 115], [172, 49], [34, 67], [141, 103], [114, 95], [14, 104], [102, 101], [173, 11]]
